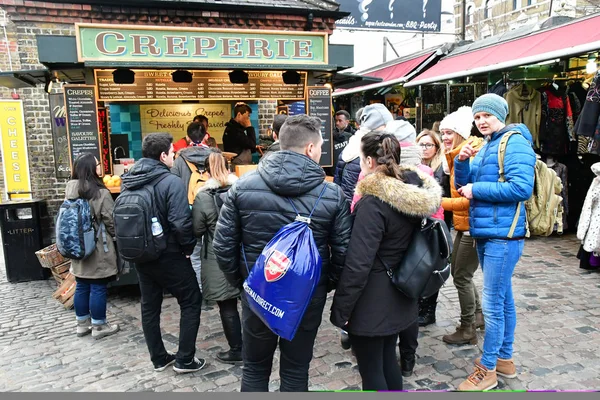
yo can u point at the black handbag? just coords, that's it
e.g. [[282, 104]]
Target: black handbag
[[425, 266]]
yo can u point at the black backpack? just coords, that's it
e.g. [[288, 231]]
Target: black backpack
[[133, 214], [425, 266]]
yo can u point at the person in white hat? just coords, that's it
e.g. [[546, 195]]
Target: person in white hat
[[456, 131]]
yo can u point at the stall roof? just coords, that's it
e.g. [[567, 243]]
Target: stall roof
[[567, 40], [391, 73]]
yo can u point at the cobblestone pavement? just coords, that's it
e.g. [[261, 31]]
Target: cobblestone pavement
[[557, 340]]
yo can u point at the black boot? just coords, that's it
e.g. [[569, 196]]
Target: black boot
[[407, 363], [232, 328], [427, 310]]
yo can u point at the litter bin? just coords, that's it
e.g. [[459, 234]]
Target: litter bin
[[21, 226]]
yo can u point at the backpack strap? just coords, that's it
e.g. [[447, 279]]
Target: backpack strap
[[307, 219], [501, 153]]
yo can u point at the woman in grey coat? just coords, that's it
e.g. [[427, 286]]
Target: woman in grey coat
[[215, 287], [93, 273]]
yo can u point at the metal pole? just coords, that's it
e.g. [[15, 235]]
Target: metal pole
[[463, 18], [423, 40], [384, 48]]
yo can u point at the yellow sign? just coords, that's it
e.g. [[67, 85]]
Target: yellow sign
[[14, 150], [175, 118]]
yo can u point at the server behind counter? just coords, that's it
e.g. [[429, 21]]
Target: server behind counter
[[239, 136]]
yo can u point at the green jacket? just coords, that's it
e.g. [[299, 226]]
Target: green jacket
[[205, 215]]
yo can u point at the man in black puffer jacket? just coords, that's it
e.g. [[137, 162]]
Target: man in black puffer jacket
[[255, 209], [173, 269]]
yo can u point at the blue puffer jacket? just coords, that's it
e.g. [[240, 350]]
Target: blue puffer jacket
[[494, 203], [346, 176]]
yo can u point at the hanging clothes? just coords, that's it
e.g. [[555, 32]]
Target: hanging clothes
[[580, 177], [525, 107], [499, 88], [556, 129], [589, 119], [588, 230], [562, 172]]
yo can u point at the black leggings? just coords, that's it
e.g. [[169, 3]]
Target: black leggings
[[377, 362]]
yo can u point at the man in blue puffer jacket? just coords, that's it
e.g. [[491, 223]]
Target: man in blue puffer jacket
[[492, 211]]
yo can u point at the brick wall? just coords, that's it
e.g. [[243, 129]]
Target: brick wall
[[44, 183], [266, 112]]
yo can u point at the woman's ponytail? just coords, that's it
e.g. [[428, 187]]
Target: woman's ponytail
[[384, 148]]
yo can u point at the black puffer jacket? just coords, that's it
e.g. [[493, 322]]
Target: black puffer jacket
[[386, 217], [170, 194], [255, 209]]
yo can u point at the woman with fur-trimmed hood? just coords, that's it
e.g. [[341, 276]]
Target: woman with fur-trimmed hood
[[366, 303], [215, 286]]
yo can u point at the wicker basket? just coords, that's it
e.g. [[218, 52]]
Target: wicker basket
[[50, 257]]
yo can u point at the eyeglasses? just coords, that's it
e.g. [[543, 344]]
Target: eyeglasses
[[428, 145]]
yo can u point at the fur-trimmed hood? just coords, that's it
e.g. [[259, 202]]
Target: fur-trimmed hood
[[407, 198], [212, 183]]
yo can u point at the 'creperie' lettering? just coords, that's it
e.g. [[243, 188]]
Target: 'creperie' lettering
[[201, 46]]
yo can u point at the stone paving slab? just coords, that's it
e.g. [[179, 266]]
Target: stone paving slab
[[557, 342]]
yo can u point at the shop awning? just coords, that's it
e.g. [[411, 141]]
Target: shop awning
[[23, 78], [389, 75], [564, 41]]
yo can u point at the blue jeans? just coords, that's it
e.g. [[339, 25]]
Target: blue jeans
[[498, 259], [90, 298]]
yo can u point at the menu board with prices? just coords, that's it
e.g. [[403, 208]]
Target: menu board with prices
[[158, 85], [82, 121], [319, 105]]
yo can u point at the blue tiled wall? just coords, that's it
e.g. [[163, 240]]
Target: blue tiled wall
[[125, 119]]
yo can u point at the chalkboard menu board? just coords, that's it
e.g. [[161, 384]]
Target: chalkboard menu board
[[159, 85], [58, 121], [82, 121], [319, 105]]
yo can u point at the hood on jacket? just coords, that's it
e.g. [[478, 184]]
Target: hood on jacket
[[196, 155], [521, 128], [352, 149], [213, 184], [596, 168], [290, 174], [233, 124], [410, 154], [403, 130], [420, 197], [72, 189], [144, 171]]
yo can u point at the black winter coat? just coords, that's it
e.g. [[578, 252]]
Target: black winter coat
[[385, 218], [236, 138], [256, 208], [170, 194]]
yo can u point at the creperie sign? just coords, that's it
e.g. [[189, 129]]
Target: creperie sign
[[115, 43]]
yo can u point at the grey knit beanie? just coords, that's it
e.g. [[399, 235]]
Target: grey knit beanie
[[493, 104]]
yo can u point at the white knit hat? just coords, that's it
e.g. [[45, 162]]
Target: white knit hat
[[460, 121]]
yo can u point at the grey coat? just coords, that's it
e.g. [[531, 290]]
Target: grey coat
[[205, 214], [100, 264]]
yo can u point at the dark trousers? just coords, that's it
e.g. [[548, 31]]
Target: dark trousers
[[377, 362], [260, 344], [232, 326], [409, 340], [173, 272]]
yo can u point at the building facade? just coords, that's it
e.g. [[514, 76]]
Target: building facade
[[24, 21], [486, 18]]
